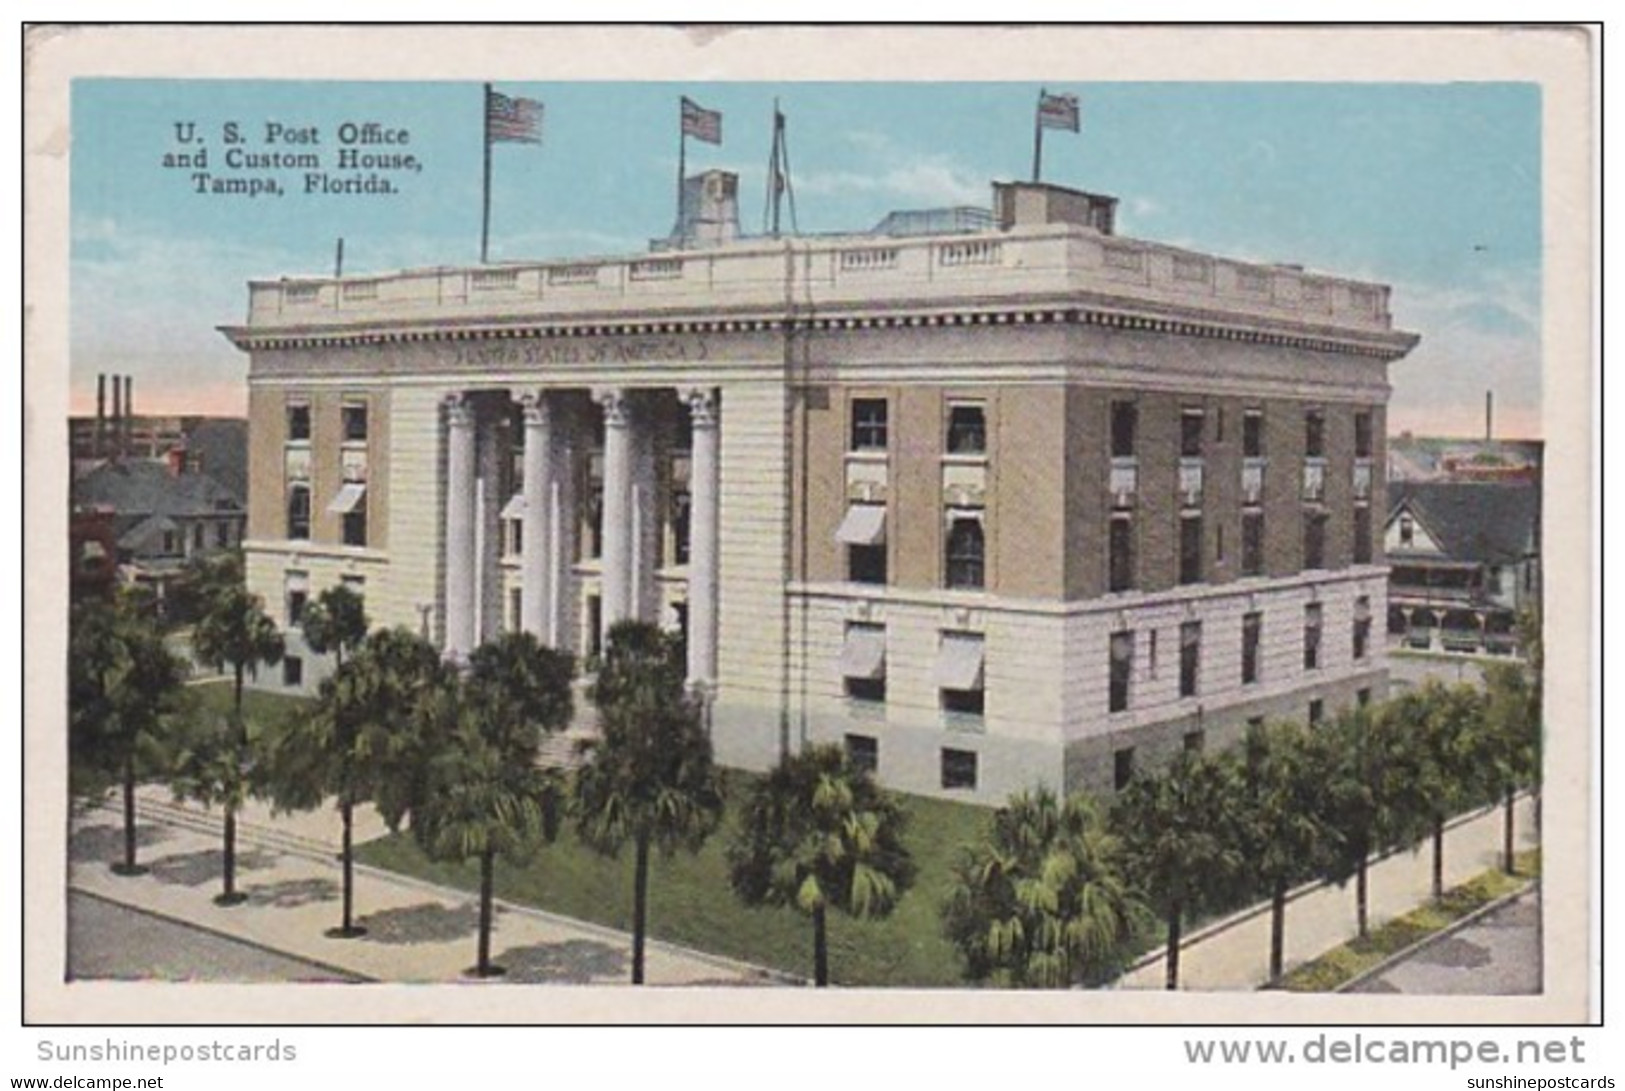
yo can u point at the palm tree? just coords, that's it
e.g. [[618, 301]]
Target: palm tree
[[1181, 846], [1287, 834], [818, 833], [123, 684], [1043, 901], [336, 622], [649, 779], [234, 629], [486, 797]]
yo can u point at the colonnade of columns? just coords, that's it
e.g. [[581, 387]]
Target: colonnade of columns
[[547, 538]]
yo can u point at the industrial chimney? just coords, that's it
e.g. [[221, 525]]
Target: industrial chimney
[[100, 442], [129, 409], [117, 420], [1489, 415]]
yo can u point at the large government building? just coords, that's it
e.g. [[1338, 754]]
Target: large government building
[[991, 497]]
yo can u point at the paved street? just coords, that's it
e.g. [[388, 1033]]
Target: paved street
[[288, 868], [111, 942], [1496, 955]]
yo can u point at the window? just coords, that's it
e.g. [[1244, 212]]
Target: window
[[1311, 636], [959, 677], [682, 506], [355, 521], [1252, 434], [1121, 564], [1362, 435], [1407, 531], [1362, 534], [1190, 657], [1125, 420], [967, 430], [864, 533], [1362, 627], [958, 768], [295, 595], [868, 424], [354, 419], [1194, 741], [293, 670], [1190, 434], [197, 536], [863, 752], [1252, 628], [595, 626], [1317, 712], [516, 536], [863, 662], [1190, 549], [1362, 698], [298, 423], [1122, 670], [1314, 434], [963, 702], [1252, 543], [222, 535], [299, 511], [1314, 539], [1122, 767], [356, 585], [965, 554]]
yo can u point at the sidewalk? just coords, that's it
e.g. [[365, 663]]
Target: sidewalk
[[417, 932], [1234, 953]]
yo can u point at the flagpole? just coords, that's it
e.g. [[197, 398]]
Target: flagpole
[[682, 168], [485, 219], [1038, 135]]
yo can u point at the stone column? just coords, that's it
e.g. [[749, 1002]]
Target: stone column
[[704, 499], [460, 542], [536, 604], [617, 541]]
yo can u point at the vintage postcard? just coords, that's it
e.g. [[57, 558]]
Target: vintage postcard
[[620, 524]]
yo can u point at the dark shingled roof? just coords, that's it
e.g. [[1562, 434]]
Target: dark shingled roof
[[138, 488], [221, 443], [1485, 522]]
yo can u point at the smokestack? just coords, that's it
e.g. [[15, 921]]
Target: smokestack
[[101, 416], [116, 447], [129, 408], [1489, 415]]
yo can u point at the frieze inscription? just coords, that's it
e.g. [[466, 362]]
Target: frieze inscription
[[635, 350]]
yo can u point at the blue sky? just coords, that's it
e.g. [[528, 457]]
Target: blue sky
[[1433, 188]]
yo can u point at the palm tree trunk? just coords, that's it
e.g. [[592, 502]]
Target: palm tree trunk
[[1362, 899], [228, 893], [1277, 930], [1508, 864], [1171, 959], [640, 905], [128, 866], [483, 968], [348, 929], [820, 947], [1438, 857]]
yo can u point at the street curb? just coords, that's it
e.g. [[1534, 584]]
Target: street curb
[[351, 976], [1448, 930]]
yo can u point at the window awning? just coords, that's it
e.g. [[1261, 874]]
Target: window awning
[[864, 653], [515, 507], [347, 499], [959, 662], [864, 525]]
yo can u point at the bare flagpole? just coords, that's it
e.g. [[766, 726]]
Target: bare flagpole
[[682, 168], [1038, 135], [485, 219]]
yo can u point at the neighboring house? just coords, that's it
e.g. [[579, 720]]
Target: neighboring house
[[1465, 560], [162, 516]]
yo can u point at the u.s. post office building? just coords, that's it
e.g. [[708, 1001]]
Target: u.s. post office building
[[991, 497]]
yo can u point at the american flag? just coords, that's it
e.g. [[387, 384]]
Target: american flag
[[1058, 112], [514, 120], [700, 123]]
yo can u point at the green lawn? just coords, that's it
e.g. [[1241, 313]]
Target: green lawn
[[691, 903], [1342, 964], [261, 708]]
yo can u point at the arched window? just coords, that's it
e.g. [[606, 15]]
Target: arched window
[[965, 554]]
